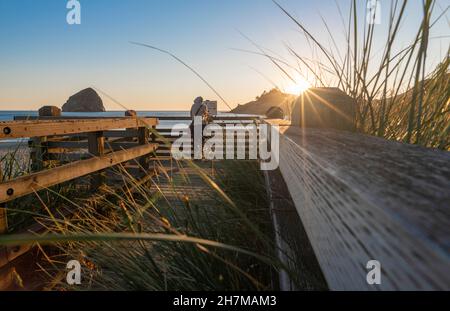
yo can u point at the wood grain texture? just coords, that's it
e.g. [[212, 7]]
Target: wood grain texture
[[362, 198], [143, 139], [23, 129], [3, 216]]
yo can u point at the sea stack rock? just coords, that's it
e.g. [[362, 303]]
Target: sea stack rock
[[86, 100]]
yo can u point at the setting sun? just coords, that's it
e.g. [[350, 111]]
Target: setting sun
[[297, 88]]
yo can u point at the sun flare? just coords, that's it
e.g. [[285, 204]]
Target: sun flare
[[298, 87]]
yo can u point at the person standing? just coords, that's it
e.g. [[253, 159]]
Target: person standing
[[200, 116], [199, 108]]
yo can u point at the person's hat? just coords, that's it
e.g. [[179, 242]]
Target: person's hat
[[198, 100]]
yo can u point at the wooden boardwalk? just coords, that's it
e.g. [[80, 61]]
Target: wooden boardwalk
[[358, 198], [175, 183], [87, 151], [362, 198], [185, 183]]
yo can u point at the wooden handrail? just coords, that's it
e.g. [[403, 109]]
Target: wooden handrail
[[21, 186], [363, 198], [174, 118], [36, 128], [166, 118]]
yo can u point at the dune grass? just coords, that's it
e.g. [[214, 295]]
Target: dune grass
[[397, 96], [142, 237]]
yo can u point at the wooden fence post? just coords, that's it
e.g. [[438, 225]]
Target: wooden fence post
[[153, 140], [39, 154], [96, 147], [153, 135], [130, 113], [3, 214], [143, 139], [3, 219], [3, 226]]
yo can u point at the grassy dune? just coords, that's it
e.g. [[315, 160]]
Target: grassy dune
[[397, 96]]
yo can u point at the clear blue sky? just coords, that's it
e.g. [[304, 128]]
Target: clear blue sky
[[43, 60]]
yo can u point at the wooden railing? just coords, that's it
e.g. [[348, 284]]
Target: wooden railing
[[54, 143], [78, 146], [65, 148], [53, 137], [118, 138], [362, 198]]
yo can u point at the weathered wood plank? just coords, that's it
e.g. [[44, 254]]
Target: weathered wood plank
[[166, 118], [22, 129], [96, 148], [3, 219], [39, 153], [3, 216], [143, 139], [293, 246], [363, 198], [28, 184]]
